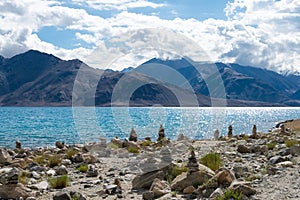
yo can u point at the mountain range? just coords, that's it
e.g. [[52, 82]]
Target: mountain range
[[34, 78]]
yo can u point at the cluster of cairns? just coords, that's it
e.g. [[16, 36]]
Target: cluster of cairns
[[195, 180]]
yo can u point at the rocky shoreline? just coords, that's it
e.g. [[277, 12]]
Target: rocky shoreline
[[256, 166]]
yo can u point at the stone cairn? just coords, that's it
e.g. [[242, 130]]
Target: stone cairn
[[216, 134], [18, 145], [161, 133], [230, 131], [254, 130], [133, 136], [192, 163]]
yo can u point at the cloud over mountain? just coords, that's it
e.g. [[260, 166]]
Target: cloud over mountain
[[262, 33]]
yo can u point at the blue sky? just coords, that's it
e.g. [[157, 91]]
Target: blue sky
[[261, 33]]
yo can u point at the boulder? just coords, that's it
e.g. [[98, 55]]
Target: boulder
[[243, 187], [189, 190], [14, 191], [78, 158], [224, 177], [145, 180], [62, 195], [243, 149], [61, 170], [160, 188], [133, 136], [148, 195], [195, 179], [4, 157], [295, 150]]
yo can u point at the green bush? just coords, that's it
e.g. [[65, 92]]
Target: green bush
[[271, 145], [175, 171], [146, 143], [133, 150], [54, 160], [112, 146], [290, 143], [230, 194], [24, 177], [59, 182], [70, 153], [211, 160], [83, 168]]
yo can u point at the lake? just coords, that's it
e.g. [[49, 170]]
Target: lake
[[42, 126]]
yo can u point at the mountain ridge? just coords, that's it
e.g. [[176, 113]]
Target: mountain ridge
[[39, 79]]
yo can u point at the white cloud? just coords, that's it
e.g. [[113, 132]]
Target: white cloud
[[118, 5], [263, 33]]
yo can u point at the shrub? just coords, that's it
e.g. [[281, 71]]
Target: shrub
[[54, 160], [70, 153], [133, 150], [230, 194], [175, 171], [24, 177], [83, 168], [211, 160], [59, 182], [146, 143], [41, 160], [290, 143], [112, 146], [271, 145]]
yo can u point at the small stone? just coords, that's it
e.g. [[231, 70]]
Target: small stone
[[62, 195], [148, 195], [78, 158], [61, 170], [44, 185], [217, 193], [243, 187], [31, 198], [51, 172], [35, 175], [243, 149], [276, 159], [189, 190], [295, 150], [160, 188], [285, 164]]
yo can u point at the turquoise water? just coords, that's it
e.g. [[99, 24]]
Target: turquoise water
[[42, 126]]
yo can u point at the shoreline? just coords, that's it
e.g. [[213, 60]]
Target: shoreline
[[261, 166]]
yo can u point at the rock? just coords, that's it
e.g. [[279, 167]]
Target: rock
[[116, 141], [12, 177], [133, 136], [62, 195], [217, 193], [192, 163], [77, 195], [295, 150], [35, 175], [18, 145], [189, 190], [44, 185], [195, 179], [224, 177], [59, 144], [78, 158], [31, 198], [166, 156], [285, 164], [216, 134], [148, 195], [51, 172], [14, 191], [92, 172], [243, 187], [254, 132], [276, 159], [230, 134], [145, 180], [161, 133], [4, 157], [243, 149], [61, 170], [160, 188], [111, 189]]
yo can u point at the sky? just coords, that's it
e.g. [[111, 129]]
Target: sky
[[261, 33]]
